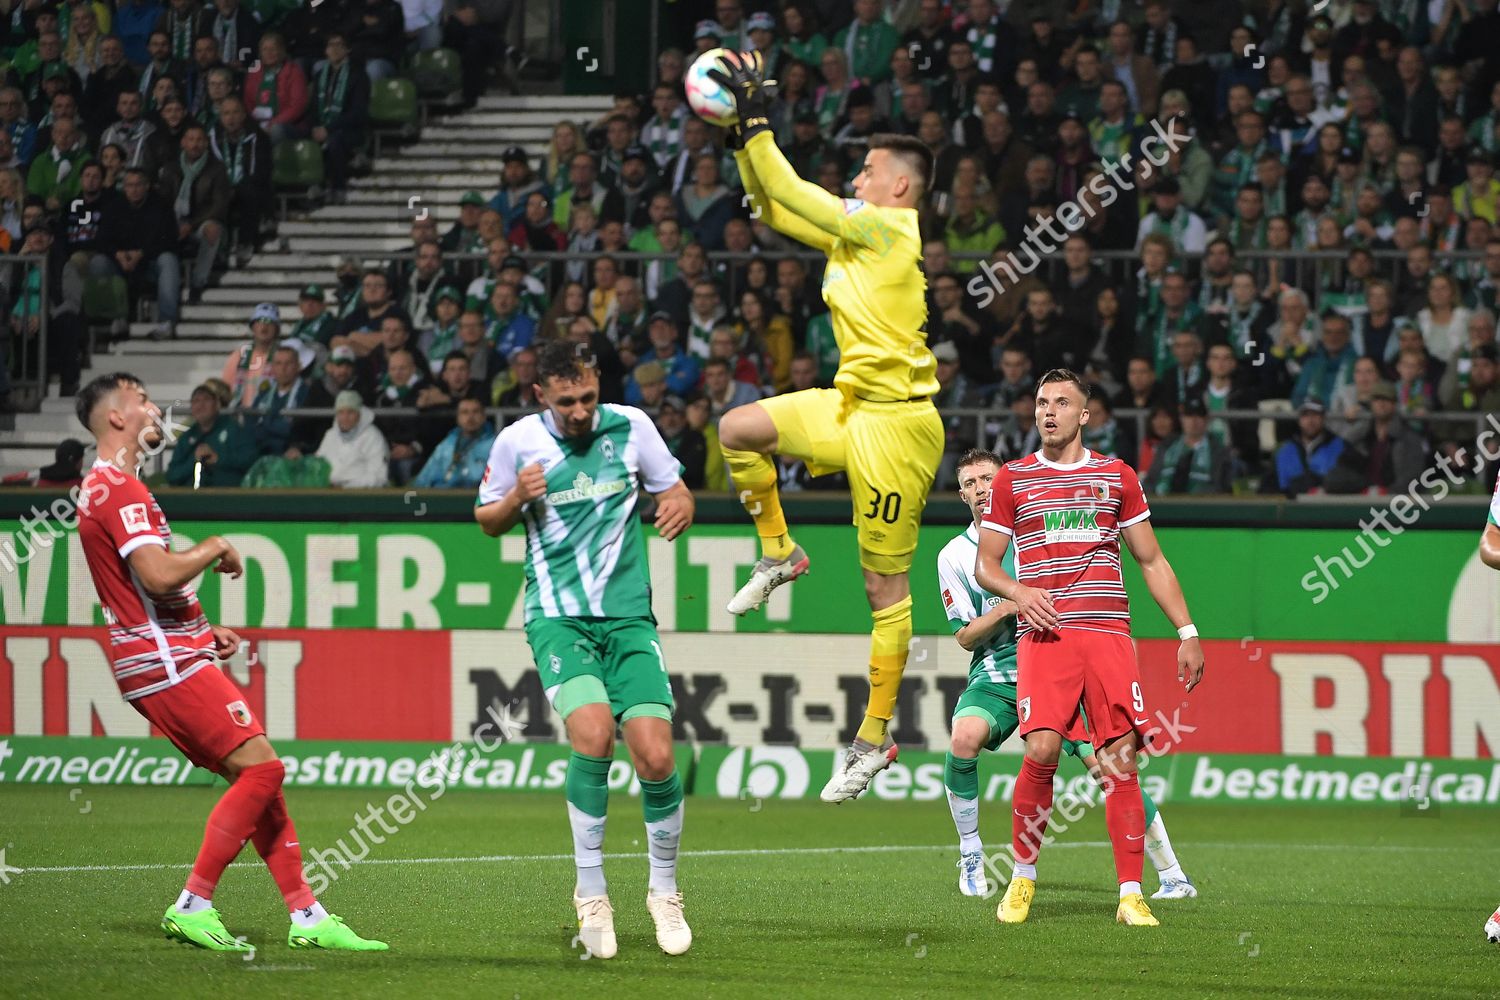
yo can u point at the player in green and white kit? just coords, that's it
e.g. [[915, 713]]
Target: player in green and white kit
[[985, 715], [571, 474], [1489, 554]]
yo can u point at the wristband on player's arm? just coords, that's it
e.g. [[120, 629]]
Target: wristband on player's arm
[[1188, 631]]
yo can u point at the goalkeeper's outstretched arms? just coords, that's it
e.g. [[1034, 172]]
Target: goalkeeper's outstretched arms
[[778, 217]]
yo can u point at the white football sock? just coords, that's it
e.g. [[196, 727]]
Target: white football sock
[[1159, 850], [309, 916], [966, 819], [191, 902], [662, 838], [1025, 871], [1129, 888], [588, 851]]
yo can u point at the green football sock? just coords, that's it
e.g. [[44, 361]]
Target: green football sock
[[588, 802], [961, 775]]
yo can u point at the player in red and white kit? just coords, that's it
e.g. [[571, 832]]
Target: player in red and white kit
[[1065, 508], [162, 650]]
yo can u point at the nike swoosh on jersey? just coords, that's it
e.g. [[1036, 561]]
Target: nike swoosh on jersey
[[1129, 837], [1141, 722]]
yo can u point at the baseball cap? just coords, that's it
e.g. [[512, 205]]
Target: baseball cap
[[946, 352], [342, 354], [1193, 407], [635, 153], [451, 294], [1383, 390], [1311, 404], [1348, 155], [515, 154], [513, 261], [708, 29], [674, 401], [1070, 113], [471, 198], [1478, 155], [311, 292], [760, 21], [348, 400], [265, 311], [54, 70], [661, 314], [650, 373]]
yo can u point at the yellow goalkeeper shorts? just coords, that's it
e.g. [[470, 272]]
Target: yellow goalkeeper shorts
[[890, 452]]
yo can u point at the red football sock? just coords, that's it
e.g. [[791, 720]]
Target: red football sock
[[1031, 806], [1125, 816], [275, 840], [232, 822]]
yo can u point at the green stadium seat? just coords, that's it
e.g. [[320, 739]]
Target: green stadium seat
[[394, 110], [105, 299], [297, 163], [438, 73]]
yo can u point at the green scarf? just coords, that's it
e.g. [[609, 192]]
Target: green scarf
[[331, 97], [444, 341], [234, 156], [265, 96], [190, 171]]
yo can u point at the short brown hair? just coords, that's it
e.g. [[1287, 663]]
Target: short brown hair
[[913, 152], [1063, 375]]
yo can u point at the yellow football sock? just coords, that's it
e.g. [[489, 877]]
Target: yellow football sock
[[754, 477], [890, 640]]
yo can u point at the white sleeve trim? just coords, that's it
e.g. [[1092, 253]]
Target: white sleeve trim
[[996, 527], [1136, 520], [140, 540]]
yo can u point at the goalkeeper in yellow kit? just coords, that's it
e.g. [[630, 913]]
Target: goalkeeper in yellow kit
[[878, 422]]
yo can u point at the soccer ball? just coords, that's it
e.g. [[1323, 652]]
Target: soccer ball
[[705, 95]]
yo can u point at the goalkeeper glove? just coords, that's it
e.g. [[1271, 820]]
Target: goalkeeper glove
[[752, 95]]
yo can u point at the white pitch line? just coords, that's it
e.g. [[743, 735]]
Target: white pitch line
[[771, 851]]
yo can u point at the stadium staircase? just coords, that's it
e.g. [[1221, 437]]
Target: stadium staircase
[[453, 154]]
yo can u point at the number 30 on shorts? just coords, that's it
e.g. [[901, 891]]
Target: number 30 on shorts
[[886, 506]]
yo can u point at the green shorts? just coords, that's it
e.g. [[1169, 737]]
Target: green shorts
[[995, 703], [614, 661]]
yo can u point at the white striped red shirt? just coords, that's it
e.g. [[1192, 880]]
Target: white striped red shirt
[[155, 642], [1065, 523]]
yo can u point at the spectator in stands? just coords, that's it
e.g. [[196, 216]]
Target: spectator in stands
[[338, 377], [517, 386], [1306, 458], [159, 64], [517, 182], [954, 392], [197, 187], [723, 391], [236, 31], [685, 444], [804, 372], [66, 470], [1104, 434], [438, 400], [399, 387], [53, 176], [207, 57], [61, 301], [422, 20], [510, 328], [476, 30], [180, 22], [315, 324], [676, 295], [583, 176], [14, 121], [483, 365], [464, 235], [91, 204], [442, 337], [1184, 379], [1329, 365], [1350, 403], [113, 77], [537, 229], [353, 447], [1142, 390], [1477, 391], [1444, 321], [285, 390], [459, 460], [682, 369], [221, 83], [248, 366], [1382, 450], [395, 335], [275, 91], [136, 135], [705, 311], [1193, 462], [340, 105], [140, 236], [360, 327], [214, 450], [417, 293], [646, 386]]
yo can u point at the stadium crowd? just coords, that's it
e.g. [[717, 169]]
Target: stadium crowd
[[1365, 130]]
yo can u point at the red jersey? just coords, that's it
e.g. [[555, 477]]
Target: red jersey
[[155, 642], [1065, 522]]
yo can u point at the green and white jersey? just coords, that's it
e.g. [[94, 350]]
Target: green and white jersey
[[584, 552], [1494, 515], [964, 600]]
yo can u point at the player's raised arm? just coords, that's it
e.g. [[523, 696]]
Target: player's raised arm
[[778, 217], [1140, 537], [506, 490], [162, 571]]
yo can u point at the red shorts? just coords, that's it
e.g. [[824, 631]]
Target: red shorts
[[1071, 669], [205, 716]]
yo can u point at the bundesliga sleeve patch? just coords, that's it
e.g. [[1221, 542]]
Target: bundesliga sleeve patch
[[134, 518], [947, 598]]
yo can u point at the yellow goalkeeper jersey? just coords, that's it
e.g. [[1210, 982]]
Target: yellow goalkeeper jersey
[[873, 284]]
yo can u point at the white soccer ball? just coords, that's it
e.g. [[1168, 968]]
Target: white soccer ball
[[706, 96]]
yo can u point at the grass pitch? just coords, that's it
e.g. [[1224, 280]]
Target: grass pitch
[[786, 899]]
